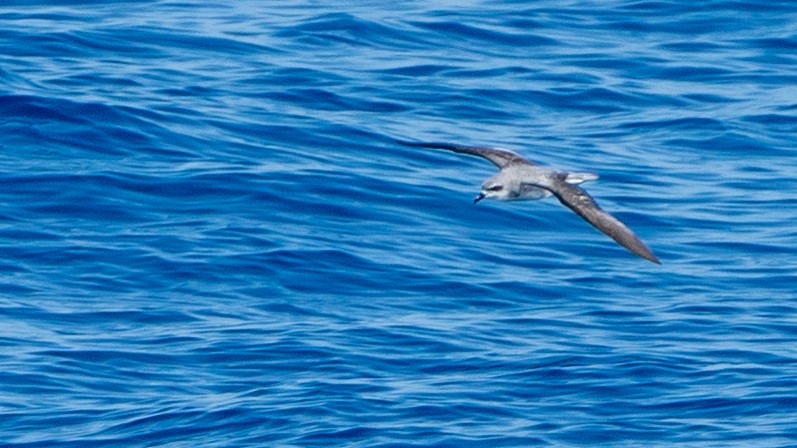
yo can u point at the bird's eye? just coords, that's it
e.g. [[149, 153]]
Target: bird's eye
[[495, 188]]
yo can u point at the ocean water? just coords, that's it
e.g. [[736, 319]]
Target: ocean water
[[211, 239]]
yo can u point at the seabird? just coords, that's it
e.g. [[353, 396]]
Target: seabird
[[520, 179]]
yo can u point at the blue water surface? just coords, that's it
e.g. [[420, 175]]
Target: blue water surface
[[210, 237]]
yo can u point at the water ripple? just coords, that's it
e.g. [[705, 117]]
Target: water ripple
[[210, 237]]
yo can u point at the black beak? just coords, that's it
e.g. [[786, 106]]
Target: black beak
[[478, 198]]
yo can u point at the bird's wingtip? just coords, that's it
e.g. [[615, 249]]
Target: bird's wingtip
[[648, 254]]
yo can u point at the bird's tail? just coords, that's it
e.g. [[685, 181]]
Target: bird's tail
[[577, 178]]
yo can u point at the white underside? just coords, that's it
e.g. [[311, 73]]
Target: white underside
[[534, 193], [517, 190], [531, 194]]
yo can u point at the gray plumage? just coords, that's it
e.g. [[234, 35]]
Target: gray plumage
[[521, 179]]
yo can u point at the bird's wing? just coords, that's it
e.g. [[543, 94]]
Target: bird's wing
[[500, 157], [578, 200]]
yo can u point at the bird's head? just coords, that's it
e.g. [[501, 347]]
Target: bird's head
[[492, 189]]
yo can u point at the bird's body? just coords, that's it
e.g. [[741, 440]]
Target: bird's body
[[521, 179]]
